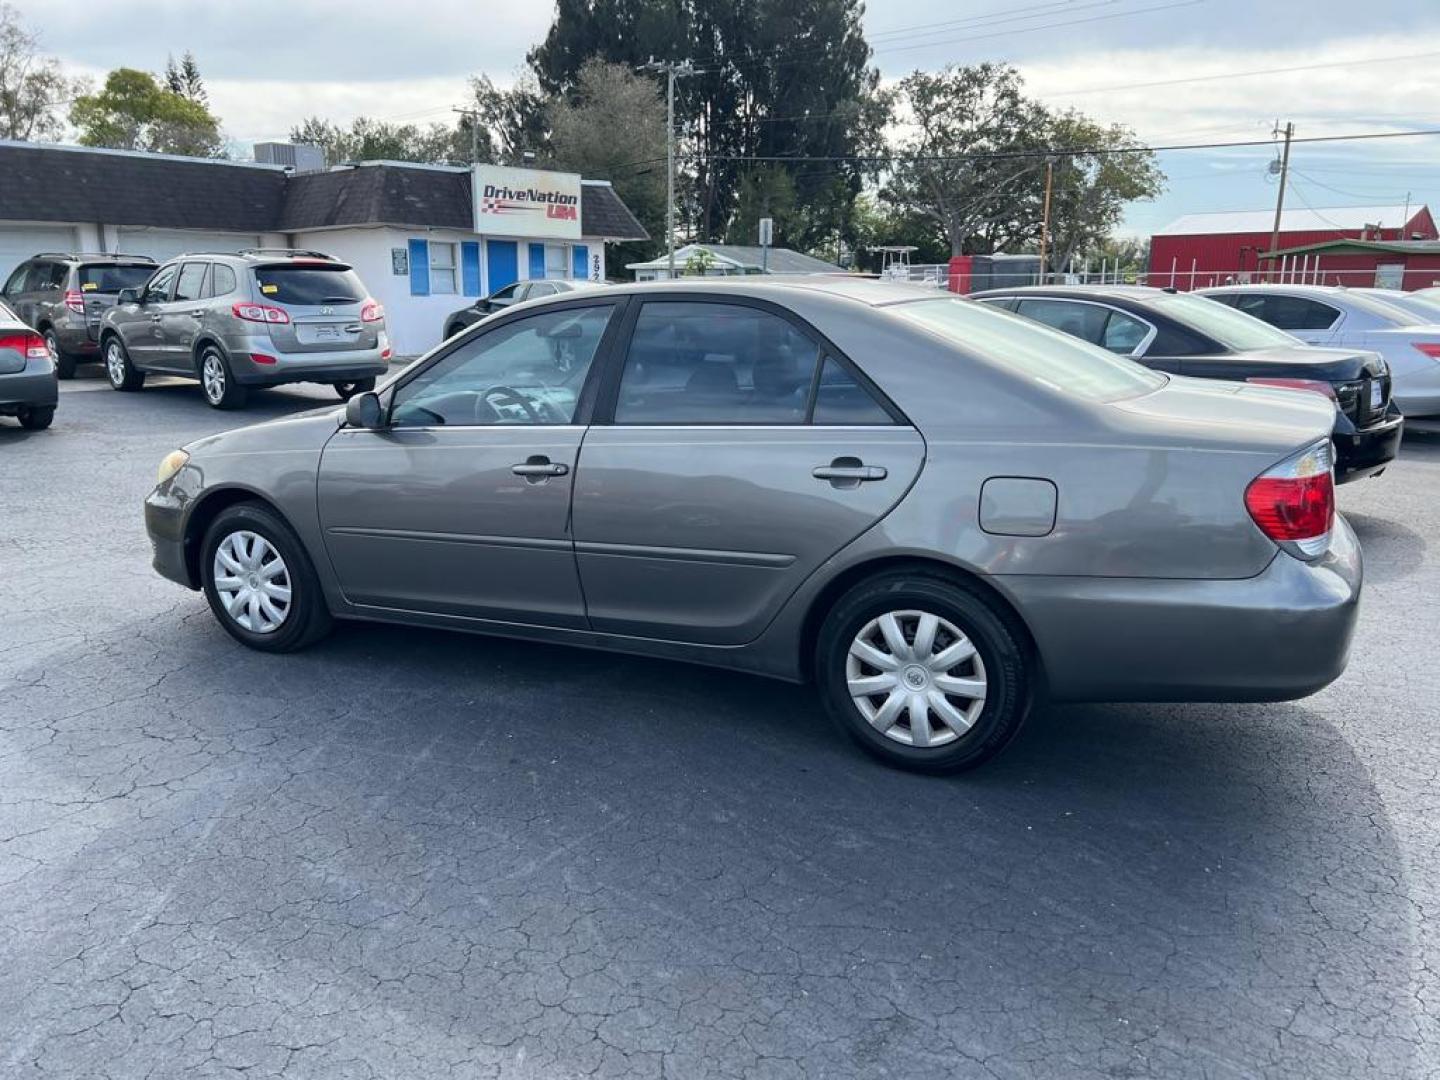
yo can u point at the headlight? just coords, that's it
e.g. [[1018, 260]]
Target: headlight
[[173, 463]]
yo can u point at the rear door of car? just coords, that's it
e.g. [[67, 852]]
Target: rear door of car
[[181, 315], [733, 451]]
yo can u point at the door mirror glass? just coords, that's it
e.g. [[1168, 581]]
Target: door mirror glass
[[128, 296], [365, 411]]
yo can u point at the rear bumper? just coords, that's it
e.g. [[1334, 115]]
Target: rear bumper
[[341, 366], [34, 386], [1280, 635], [1363, 453]]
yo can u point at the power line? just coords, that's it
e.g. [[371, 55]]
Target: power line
[[1250, 74]]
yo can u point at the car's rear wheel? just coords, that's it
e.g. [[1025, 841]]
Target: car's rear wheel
[[260, 582], [923, 672], [64, 362], [118, 368], [36, 417], [218, 381], [347, 390]]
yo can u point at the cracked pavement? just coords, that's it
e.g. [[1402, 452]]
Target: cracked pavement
[[414, 854]]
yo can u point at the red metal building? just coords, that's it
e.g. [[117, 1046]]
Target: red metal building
[[1215, 248]]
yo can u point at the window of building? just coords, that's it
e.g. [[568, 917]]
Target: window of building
[[442, 269], [557, 265]]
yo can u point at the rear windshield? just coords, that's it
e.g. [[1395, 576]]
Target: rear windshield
[[112, 277], [309, 285], [1233, 329], [1047, 356]]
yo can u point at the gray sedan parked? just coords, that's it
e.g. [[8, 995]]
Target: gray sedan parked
[[936, 511], [28, 390]]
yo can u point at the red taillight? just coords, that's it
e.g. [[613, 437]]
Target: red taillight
[[1429, 348], [75, 301], [1319, 386], [261, 358], [27, 343], [372, 311], [1294, 503], [385, 352], [259, 313]]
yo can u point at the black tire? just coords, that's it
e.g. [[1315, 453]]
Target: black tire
[[217, 381], [121, 373], [308, 619], [64, 362], [36, 417], [1007, 669], [347, 390]]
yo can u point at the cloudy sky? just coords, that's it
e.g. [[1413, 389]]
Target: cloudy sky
[[1176, 71]]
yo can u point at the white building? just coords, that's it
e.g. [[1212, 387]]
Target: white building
[[416, 234]]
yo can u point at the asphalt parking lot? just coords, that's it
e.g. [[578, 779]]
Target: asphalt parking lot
[[413, 854]]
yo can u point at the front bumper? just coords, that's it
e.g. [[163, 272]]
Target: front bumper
[[1366, 452], [165, 524], [34, 386], [1280, 635]]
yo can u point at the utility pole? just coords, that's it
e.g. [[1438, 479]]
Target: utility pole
[[1045, 220], [672, 72], [474, 116], [1280, 196]]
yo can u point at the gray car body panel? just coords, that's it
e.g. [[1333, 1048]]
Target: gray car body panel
[[1153, 582], [24, 382]]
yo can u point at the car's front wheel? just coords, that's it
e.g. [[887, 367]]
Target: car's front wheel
[[347, 390], [118, 368], [923, 672], [260, 581], [218, 381], [64, 362]]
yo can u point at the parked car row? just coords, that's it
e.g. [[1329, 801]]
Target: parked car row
[[515, 293], [231, 320]]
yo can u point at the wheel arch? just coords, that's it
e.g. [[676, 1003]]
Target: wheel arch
[[209, 507], [852, 576], [201, 342]]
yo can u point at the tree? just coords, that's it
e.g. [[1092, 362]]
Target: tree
[[613, 128], [773, 79], [184, 79], [513, 122], [133, 111], [766, 191], [1091, 186], [32, 87], [375, 140]]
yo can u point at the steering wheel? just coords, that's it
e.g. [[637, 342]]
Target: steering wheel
[[508, 395]]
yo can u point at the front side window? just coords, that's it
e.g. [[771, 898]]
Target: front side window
[[16, 281], [507, 293], [157, 289], [1035, 352], [442, 269], [191, 285], [529, 371], [700, 363]]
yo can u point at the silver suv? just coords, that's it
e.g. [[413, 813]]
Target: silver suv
[[259, 317], [63, 296]]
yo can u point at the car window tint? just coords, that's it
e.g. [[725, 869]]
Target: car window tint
[[529, 371], [840, 399], [158, 288], [222, 280], [110, 278], [540, 289], [507, 293], [1228, 299], [191, 285], [57, 275], [309, 285], [15, 283], [1123, 333], [1296, 313], [696, 363], [1084, 321]]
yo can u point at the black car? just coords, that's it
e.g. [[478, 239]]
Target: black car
[[1189, 335], [517, 293]]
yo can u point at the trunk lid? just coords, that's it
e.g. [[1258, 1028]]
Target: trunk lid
[[100, 285], [1211, 414], [1361, 379], [324, 301]]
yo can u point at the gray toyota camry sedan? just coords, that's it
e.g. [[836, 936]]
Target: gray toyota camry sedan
[[935, 512]]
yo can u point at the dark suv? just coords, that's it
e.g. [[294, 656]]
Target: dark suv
[[64, 296], [235, 320]]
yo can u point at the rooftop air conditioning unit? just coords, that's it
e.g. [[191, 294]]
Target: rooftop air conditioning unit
[[298, 157]]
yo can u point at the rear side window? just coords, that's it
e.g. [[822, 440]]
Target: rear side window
[[1123, 333], [110, 278], [222, 280], [1296, 313], [696, 363], [840, 399], [1084, 321], [309, 285]]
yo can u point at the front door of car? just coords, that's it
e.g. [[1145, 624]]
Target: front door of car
[[460, 506], [139, 323], [730, 471], [180, 318]]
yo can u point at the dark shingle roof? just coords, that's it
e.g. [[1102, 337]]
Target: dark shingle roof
[[47, 183]]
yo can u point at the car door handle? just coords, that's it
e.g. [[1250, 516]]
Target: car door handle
[[198, 313], [154, 318], [539, 467], [848, 469]]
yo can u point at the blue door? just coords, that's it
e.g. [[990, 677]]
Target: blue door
[[580, 265], [537, 261], [502, 263]]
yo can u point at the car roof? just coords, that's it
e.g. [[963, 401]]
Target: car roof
[[1280, 286], [865, 290], [1136, 293]]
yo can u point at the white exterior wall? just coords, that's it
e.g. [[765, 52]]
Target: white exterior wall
[[415, 323]]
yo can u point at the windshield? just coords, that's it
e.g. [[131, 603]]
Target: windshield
[[294, 283], [1233, 329], [1043, 355], [112, 277]]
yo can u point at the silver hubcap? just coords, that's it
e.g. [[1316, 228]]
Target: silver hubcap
[[916, 678], [212, 374], [115, 363], [252, 581]]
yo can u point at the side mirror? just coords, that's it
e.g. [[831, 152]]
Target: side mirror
[[364, 411], [127, 296]]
